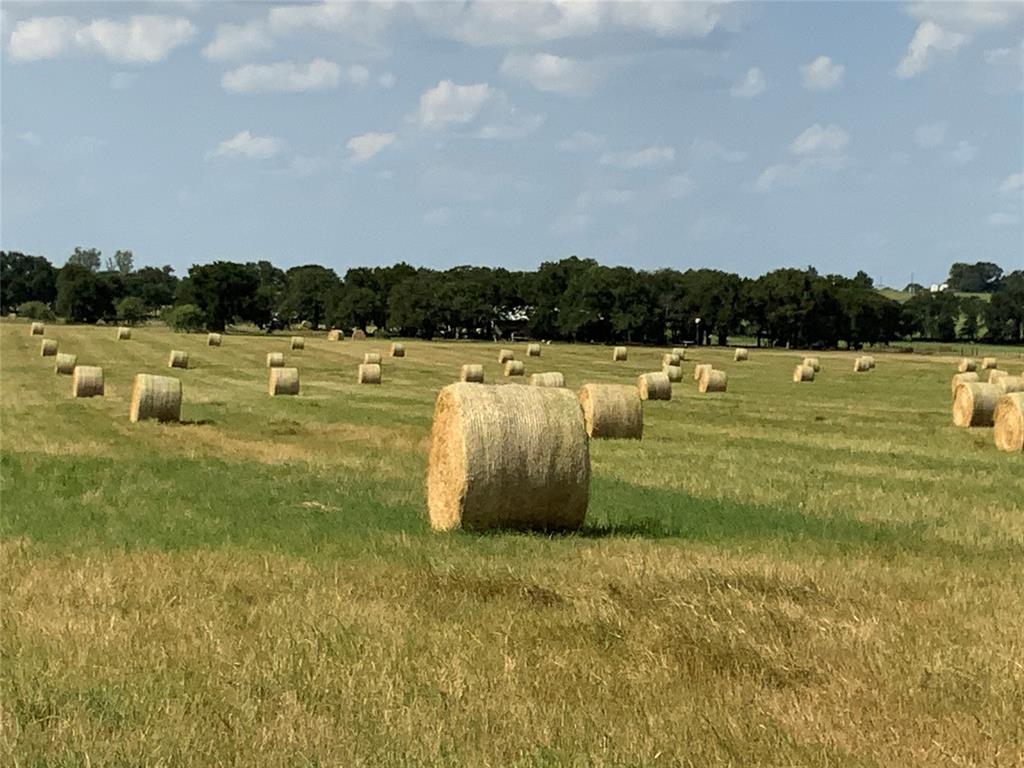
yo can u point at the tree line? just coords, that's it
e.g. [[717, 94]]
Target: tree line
[[572, 299]]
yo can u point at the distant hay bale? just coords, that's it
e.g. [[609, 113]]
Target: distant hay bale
[[177, 359], [741, 354], [515, 368], [548, 379], [613, 411], [48, 348], [813, 362], [87, 381], [504, 355], [681, 351], [398, 349], [967, 365], [1008, 420], [961, 378], [213, 339], [507, 457], [974, 404], [472, 373], [654, 386], [620, 354], [123, 333], [369, 373], [37, 329], [358, 335], [803, 373], [283, 381], [713, 380], [371, 358], [65, 364], [298, 342], [533, 350], [674, 372], [670, 358], [334, 335], [987, 363], [1009, 384], [699, 369], [870, 361], [861, 364], [155, 397], [275, 359]]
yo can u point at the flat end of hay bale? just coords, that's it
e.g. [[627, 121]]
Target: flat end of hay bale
[[1008, 420], [87, 381], [369, 373], [155, 397], [612, 411], [283, 381]]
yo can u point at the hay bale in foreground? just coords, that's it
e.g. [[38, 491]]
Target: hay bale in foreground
[[988, 363], [515, 368], [371, 357], [713, 380], [177, 359], [654, 386], [533, 350], [1009, 384], [358, 335], [670, 358], [504, 355], [548, 379], [124, 333], [283, 381], [213, 339], [674, 372], [275, 359], [507, 457], [974, 404], [155, 397], [613, 411], [961, 378], [620, 354], [298, 342], [967, 365], [813, 362], [699, 369], [334, 335], [48, 348], [681, 351], [1008, 420], [472, 373], [37, 329], [87, 381], [398, 349], [803, 373], [861, 364], [65, 364], [369, 373], [741, 354]]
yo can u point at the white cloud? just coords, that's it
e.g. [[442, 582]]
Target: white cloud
[[387, 80], [930, 135], [1013, 184], [286, 76], [360, 22], [680, 185], [245, 145], [581, 141], [235, 41], [963, 153], [1002, 219], [822, 74], [997, 55], [358, 75], [708, 149], [750, 85], [508, 122], [438, 217], [818, 139], [929, 39], [139, 40], [642, 158], [799, 173], [967, 16], [450, 104], [43, 37], [547, 72], [122, 81], [362, 148]]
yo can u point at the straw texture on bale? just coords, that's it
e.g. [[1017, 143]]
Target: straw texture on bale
[[698, 370], [472, 373], [670, 358], [48, 348], [740, 354], [713, 380], [334, 335], [1009, 422], [371, 357], [369, 373], [620, 354], [967, 365], [612, 411], [515, 368], [1009, 384], [177, 359], [155, 397], [275, 359], [283, 381], [813, 362], [974, 404], [681, 351], [507, 457], [298, 342], [803, 373], [213, 339], [988, 363], [398, 349], [358, 335], [87, 381], [549, 379], [124, 334], [654, 386], [861, 364], [533, 350], [995, 374], [962, 378], [504, 355], [65, 364], [674, 372], [37, 329], [870, 361]]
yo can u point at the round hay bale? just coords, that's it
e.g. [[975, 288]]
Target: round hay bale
[[504, 355], [124, 334], [87, 381], [398, 349], [813, 362], [974, 404], [1009, 384], [654, 386], [275, 359], [155, 397], [213, 339], [334, 335], [507, 457], [803, 373], [620, 354], [37, 329], [741, 354], [681, 351], [371, 358], [369, 373], [283, 381], [674, 372], [699, 369], [1008, 420], [48, 348], [549, 379], [298, 342], [988, 363], [967, 365], [177, 359], [995, 375], [612, 411], [472, 373], [65, 364], [713, 380], [358, 334], [861, 364], [870, 361], [961, 378], [670, 358], [515, 368], [533, 350]]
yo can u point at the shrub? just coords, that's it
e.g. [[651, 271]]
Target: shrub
[[35, 310], [131, 310], [184, 318]]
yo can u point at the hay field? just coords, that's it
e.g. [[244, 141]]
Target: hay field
[[818, 574]]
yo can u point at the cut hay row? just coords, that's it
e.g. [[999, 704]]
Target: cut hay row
[[548, 379], [48, 348], [372, 358], [472, 373], [533, 350], [515, 368], [1008, 420], [124, 334], [699, 369], [670, 358], [967, 365], [177, 359], [507, 457], [674, 372], [283, 381], [213, 339], [369, 373], [37, 329], [620, 354], [974, 404], [275, 359], [961, 378], [398, 349], [87, 381], [814, 363], [713, 380], [65, 364], [740, 355], [298, 342], [803, 373], [654, 386], [612, 411], [155, 397], [504, 355]]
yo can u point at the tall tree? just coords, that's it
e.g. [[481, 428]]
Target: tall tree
[[25, 278], [83, 296], [226, 292], [306, 293], [980, 277], [123, 263], [86, 257]]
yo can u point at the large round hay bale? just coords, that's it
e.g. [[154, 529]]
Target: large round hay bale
[[515, 368], [533, 350], [681, 351], [507, 457], [298, 342], [670, 358], [713, 380], [813, 362], [369, 373], [87, 381], [358, 334], [398, 349], [967, 365], [741, 354], [275, 359], [861, 364], [699, 369], [1008, 384], [548, 379], [654, 386], [620, 354], [48, 348], [1008, 420], [995, 374], [974, 404], [803, 373], [334, 335], [674, 372], [177, 359], [961, 378], [37, 329], [504, 355], [283, 381], [612, 411], [65, 364], [987, 363], [371, 358], [124, 333], [472, 373], [155, 397]]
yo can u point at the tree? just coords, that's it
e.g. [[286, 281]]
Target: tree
[[25, 278], [154, 287], [122, 263], [35, 310], [131, 310], [226, 292], [82, 295], [1004, 315], [306, 292], [352, 307], [972, 309], [981, 277], [415, 305], [184, 318], [86, 257]]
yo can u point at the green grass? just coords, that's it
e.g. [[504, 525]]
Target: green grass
[[826, 574]]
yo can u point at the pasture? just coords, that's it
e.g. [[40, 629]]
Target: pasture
[[814, 574]]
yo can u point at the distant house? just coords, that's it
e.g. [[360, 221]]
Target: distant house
[[939, 288]]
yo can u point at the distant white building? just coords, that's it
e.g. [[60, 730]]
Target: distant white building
[[936, 288]]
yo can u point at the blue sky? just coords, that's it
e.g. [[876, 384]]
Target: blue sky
[[879, 136]]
